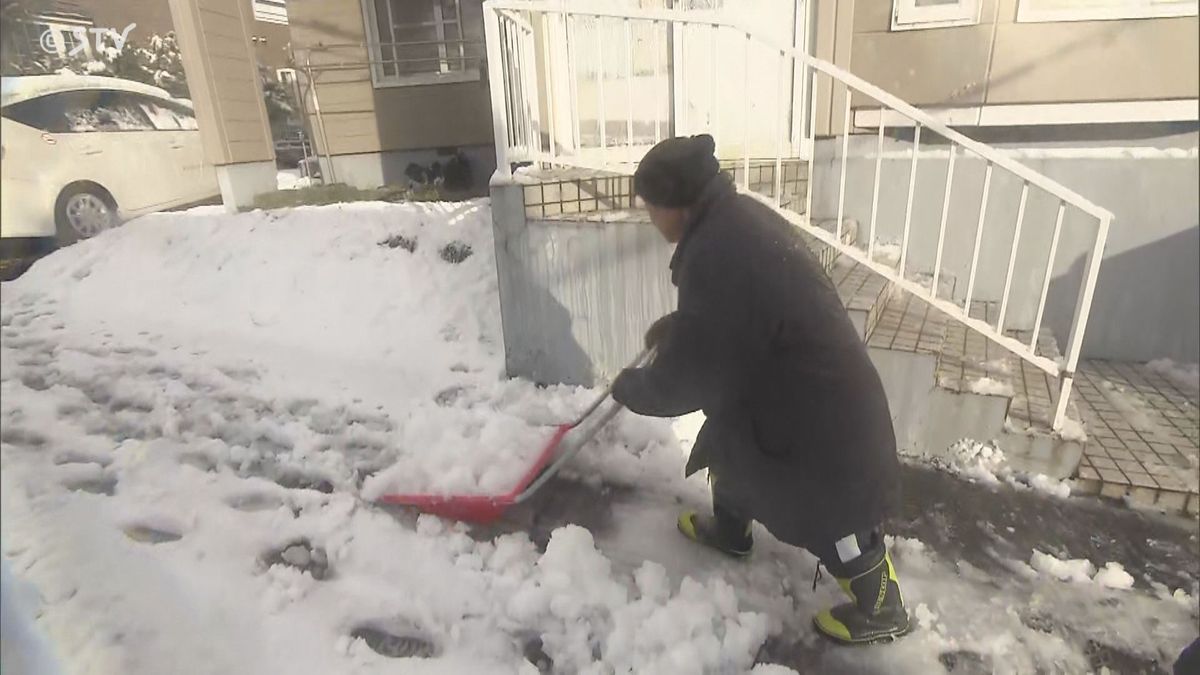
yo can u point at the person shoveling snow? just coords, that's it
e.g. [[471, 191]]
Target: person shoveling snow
[[798, 433]]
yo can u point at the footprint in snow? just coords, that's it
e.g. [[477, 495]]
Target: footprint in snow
[[105, 485], [69, 457], [199, 461], [20, 436], [302, 555], [299, 481], [150, 535], [255, 501], [964, 661], [399, 645]]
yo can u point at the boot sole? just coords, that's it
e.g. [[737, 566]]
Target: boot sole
[[882, 638], [738, 555]]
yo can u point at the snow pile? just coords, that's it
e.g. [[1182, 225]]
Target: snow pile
[[197, 408], [1184, 375], [986, 463], [888, 253], [989, 387], [290, 179], [1079, 571], [974, 460], [1114, 576], [581, 609]]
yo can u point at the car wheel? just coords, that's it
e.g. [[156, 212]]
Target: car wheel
[[82, 212]]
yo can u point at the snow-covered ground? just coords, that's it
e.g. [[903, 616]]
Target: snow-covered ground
[[290, 179], [197, 409]]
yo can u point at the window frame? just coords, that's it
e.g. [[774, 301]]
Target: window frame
[[375, 50], [906, 15], [1029, 12], [270, 11]]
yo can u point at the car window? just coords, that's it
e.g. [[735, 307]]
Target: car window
[[107, 110], [166, 115], [81, 111]]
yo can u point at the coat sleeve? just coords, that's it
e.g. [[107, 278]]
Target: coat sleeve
[[707, 359]]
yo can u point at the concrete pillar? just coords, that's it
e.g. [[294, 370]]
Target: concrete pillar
[[222, 76]]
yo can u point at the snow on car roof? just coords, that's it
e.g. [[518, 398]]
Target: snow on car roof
[[24, 87]]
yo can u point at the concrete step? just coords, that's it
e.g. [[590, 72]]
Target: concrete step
[[863, 293], [946, 382]]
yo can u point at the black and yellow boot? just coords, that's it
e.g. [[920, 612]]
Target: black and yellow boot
[[876, 612], [725, 533]]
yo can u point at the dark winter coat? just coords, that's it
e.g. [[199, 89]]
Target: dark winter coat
[[798, 433]]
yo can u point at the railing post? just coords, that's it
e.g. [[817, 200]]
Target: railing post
[[659, 72], [629, 89], [529, 89], [601, 115], [941, 241], [491, 27], [912, 184], [714, 101], [746, 115], [845, 160], [875, 193], [1037, 322], [1012, 258], [812, 142], [548, 69], [1083, 310], [573, 73], [983, 203], [779, 140]]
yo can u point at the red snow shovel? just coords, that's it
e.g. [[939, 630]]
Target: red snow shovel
[[566, 441]]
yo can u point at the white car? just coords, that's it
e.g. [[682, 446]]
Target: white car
[[81, 153]]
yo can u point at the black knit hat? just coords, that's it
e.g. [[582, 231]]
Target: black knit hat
[[675, 172]]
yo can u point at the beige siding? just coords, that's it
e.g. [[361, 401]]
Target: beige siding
[[1095, 61], [360, 118], [1000, 61], [346, 98], [219, 60]]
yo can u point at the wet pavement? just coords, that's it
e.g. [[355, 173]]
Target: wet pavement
[[986, 527]]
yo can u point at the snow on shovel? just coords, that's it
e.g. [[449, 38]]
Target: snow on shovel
[[563, 444]]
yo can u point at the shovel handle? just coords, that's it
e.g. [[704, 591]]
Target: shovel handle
[[576, 444], [637, 362]]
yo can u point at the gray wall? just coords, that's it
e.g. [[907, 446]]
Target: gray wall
[[1147, 302], [576, 296]]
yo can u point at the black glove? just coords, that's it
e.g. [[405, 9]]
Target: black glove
[[657, 334]]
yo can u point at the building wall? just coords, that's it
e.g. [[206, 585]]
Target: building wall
[[215, 42], [1001, 61], [361, 118]]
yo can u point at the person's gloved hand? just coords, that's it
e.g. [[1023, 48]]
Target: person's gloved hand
[[657, 334]]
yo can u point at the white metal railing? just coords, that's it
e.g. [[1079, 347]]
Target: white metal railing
[[524, 86]]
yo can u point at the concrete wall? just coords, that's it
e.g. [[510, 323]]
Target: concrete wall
[[360, 118], [576, 297], [1147, 302]]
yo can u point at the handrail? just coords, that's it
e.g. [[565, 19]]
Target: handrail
[[517, 102], [1048, 184]]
